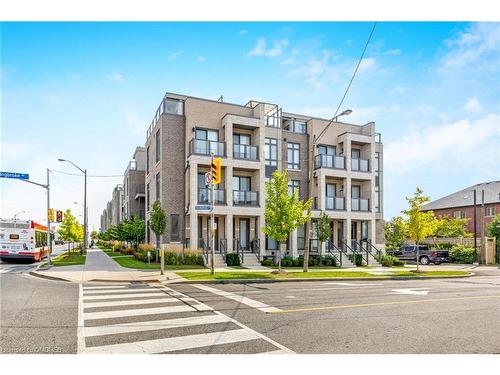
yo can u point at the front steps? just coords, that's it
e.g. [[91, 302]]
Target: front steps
[[250, 260]]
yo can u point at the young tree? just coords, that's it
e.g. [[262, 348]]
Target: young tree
[[158, 225], [451, 227], [494, 231], [420, 224], [66, 230], [284, 212], [395, 232], [137, 230], [94, 235], [323, 232]]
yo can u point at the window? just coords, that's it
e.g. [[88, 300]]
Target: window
[[242, 183], [207, 135], [271, 151], [147, 197], [158, 186], [241, 139], [157, 145], [327, 150], [299, 126], [459, 214], [377, 162], [293, 156], [301, 237], [147, 160], [331, 190], [294, 185], [271, 244], [173, 106], [355, 153], [490, 211], [174, 228]]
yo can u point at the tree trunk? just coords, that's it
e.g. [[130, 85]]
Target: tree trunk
[[305, 267], [157, 246], [418, 254], [279, 256]]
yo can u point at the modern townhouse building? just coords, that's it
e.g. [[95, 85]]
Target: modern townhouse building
[[104, 221], [117, 205], [341, 171], [133, 185]]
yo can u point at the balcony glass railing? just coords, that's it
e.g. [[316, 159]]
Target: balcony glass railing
[[360, 204], [335, 203], [204, 196], [246, 152], [245, 198], [361, 165], [203, 147], [329, 161]]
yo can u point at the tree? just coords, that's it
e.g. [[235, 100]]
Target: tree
[[395, 232], [451, 227], [67, 230], [323, 230], [420, 224], [132, 230], [284, 212], [494, 231], [94, 235]]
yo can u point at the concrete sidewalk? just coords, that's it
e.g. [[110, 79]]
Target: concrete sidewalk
[[100, 267]]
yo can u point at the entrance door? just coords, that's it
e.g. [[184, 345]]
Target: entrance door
[[245, 234], [216, 233], [340, 234], [354, 235], [200, 231]]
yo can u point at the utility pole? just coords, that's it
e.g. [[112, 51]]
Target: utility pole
[[49, 235], [483, 239], [211, 229], [85, 234], [475, 228]]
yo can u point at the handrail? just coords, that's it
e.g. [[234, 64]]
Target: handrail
[[329, 247], [344, 242], [255, 247], [223, 247], [239, 250], [204, 249], [378, 251]]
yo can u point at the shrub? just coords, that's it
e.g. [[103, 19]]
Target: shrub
[[287, 262], [298, 262], [314, 261], [462, 254], [398, 263], [127, 251], [358, 261], [232, 259], [146, 247], [267, 262], [387, 261], [172, 259], [329, 261]]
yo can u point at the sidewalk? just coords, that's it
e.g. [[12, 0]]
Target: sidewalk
[[100, 267]]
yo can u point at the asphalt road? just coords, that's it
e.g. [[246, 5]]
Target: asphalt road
[[419, 316]]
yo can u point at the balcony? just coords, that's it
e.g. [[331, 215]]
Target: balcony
[[360, 204], [361, 165], [204, 196], [203, 147], [245, 198], [329, 161], [245, 152], [335, 203], [139, 191]]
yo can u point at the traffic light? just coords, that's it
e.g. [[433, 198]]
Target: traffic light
[[216, 170], [52, 216], [59, 216]]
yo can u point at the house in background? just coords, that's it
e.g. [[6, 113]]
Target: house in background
[[461, 205]]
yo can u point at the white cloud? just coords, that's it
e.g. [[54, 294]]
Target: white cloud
[[242, 32], [393, 52], [261, 50], [173, 56], [117, 77], [201, 58], [367, 63], [472, 105], [469, 145]]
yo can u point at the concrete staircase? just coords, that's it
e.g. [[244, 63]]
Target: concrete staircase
[[219, 261], [250, 260]]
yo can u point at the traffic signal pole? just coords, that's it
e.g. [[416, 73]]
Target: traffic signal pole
[[48, 219], [212, 217]]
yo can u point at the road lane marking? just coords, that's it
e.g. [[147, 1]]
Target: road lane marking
[[412, 291], [136, 312], [290, 297], [241, 299], [79, 331], [338, 307], [348, 284], [97, 288], [129, 303], [176, 343], [153, 325], [126, 291], [152, 293]]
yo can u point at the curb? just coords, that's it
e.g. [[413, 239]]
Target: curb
[[264, 281], [47, 277]]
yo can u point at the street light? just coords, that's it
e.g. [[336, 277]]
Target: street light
[[84, 202], [347, 112], [20, 212]]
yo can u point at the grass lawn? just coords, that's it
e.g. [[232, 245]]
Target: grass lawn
[[306, 275], [69, 260]]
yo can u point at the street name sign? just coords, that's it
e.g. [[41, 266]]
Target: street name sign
[[202, 207], [20, 176]]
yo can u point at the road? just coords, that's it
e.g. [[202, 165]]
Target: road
[[390, 316]]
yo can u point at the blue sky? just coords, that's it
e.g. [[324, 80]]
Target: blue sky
[[88, 91]]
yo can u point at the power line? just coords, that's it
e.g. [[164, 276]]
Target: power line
[[350, 82], [88, 175]]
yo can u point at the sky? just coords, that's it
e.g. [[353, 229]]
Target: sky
[[88, 91]]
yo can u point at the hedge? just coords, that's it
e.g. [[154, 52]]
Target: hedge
[[462, 254]]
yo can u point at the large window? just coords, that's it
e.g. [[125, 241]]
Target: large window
[[147, 197], [293, 156], [147, 160], [158, 186], [173, 106], [299, 126], [490, 211], [326, 150], [301, 237], [242, 183], [174, 228], [271, 151], [157, 145], [459, 214], [271, 244], [294, 186]]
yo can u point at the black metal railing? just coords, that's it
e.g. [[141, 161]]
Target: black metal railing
[[329, 161], [349, 250], [255, 247], [246, 152], [371, 248], [245, 198], [223, 248], [204, 147], [360, 204], [335, 203], [204, 248], [336, 252], [204, 196], [239, 250]]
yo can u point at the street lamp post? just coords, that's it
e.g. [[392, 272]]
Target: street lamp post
[[84, 202], [20, 212]]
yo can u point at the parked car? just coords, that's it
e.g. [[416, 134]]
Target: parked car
[[426, 255], [58, 242]]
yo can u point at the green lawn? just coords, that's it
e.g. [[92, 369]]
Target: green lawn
[[69, 260], [306, 275]]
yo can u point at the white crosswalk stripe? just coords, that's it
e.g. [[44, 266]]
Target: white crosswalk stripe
[[114, 320]]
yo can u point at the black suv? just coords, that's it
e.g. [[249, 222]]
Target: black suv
[[426, 256]]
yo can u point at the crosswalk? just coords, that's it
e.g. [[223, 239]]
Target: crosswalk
[[153, 318]]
